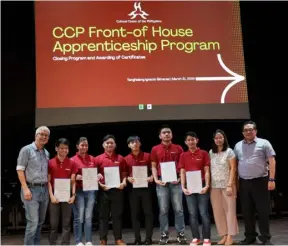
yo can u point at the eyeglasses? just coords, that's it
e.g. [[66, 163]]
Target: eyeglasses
[[43, 135]]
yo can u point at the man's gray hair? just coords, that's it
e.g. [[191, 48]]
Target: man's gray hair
[[42, 128]]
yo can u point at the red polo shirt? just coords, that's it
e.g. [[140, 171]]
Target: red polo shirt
[[165, 153], [61, 170], [116, 160], [83, 162], [195, 161], [142, 159]]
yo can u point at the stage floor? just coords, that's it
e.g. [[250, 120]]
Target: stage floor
[[279, 231]]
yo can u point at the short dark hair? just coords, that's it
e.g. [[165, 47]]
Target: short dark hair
[[190, 134], [249, 122], [81, 139], [107, 137], [164, 126], [62, 141], [132, 139], [225, 144]]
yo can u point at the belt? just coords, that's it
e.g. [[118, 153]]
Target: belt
[[37, 184]]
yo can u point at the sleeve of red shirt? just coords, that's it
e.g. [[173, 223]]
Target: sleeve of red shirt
[[180, 149], [149, 160], [49, 167], [206, 158], [96, 162], [153, 155], [74, 167], [123, 165], [181, 161]]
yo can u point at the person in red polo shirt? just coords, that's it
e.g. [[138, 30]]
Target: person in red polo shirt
[[196, 159], [61, 167], [85, 200], [113, 168], [162, 153], [140, 197]]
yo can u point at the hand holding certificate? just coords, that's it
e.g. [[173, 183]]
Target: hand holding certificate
[[62, 189], [139, 174], [90, 179], [194, 181], [168, 171]]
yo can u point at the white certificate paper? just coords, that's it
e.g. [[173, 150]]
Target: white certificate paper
[[89, 179], [62, 189], [139, 173], [168, 171], [194, 181], [112, 177]]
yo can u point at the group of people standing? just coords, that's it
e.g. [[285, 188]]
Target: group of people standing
[[250, 167]]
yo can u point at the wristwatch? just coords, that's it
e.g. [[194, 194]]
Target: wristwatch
[[74, 194], [271, 179]]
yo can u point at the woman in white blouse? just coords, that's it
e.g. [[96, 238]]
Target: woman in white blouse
[[223, 188]]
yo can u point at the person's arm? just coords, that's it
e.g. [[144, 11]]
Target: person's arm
[[270, 154], [153, 157], [123, 171], [150, 172], [73, 185], [22, 163], [206, 160], [50, 189], [233, 168], [178, 168]]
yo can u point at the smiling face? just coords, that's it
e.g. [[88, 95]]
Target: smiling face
[[109, 145], [42, 137], [249, 132], [134, 145], [83, 147], [62, 150], [219, 139], [191, 142]]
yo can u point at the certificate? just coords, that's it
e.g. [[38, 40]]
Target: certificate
[[168, 171], [89, 179], [139, 174], [194, 181], [62, 189], [112, 177]]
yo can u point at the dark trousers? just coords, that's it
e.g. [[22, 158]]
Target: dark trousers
[[110, 201], [141, 197], [56, 210], [254, 196]]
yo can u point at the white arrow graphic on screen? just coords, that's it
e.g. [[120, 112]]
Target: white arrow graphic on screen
[[236, 78]]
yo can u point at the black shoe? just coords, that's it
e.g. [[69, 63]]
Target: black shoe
[[137, 242], [164, 238], [181, 238], [148, 242], [247, 242], [267, 242]]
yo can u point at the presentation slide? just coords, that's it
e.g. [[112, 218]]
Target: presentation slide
[[133, 61]]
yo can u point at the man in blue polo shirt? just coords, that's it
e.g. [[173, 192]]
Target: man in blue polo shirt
[[256, 179]]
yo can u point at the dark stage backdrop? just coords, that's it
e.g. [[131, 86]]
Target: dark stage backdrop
[[264, 28]]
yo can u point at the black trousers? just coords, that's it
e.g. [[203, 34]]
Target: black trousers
[[141, 197], [110, 201], [56, 210], [255, 197]]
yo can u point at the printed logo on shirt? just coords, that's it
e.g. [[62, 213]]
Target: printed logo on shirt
[[143, 161], [117, 162], [67, 169]]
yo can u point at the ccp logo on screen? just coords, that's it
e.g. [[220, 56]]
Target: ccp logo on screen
[[138, 11], [68, 32]]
